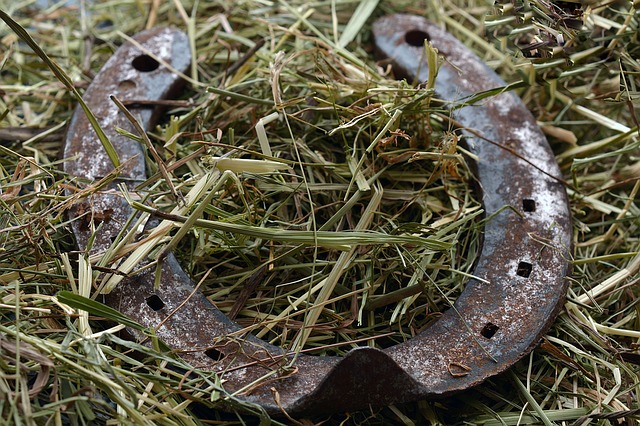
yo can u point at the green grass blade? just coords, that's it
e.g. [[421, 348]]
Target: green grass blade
[[64, 79]]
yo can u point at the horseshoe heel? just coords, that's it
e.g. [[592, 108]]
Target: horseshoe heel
[[524, 259], [499, 317]]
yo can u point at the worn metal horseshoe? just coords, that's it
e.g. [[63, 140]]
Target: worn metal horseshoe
[[499, 317]]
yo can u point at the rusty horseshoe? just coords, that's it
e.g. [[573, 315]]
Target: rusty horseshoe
[[499, 317]]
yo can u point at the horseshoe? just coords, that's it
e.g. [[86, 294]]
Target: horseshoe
[[500, 316]]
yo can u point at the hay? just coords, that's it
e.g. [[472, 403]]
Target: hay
[[291, 135]]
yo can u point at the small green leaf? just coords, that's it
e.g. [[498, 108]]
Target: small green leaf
[[96, 308], [357, 21]]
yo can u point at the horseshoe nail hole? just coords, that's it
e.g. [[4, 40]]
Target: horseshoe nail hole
[[145, 63], [489, 330], [416, 38], [528, 205], [127, 85], [524, 269], [154, 302], [214, 354]]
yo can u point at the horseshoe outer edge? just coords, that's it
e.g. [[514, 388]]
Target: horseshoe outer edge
[[499, 317]]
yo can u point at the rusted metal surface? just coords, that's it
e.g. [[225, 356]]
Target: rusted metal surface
[[525, 255], [499, 317]]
